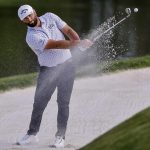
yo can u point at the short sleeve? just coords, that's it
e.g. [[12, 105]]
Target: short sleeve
[[59, 22], [36, 41]]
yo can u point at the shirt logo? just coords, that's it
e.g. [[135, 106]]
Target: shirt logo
[[24, 11], [41, 41], [51, 26]]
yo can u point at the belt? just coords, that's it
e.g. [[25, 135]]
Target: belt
[[67, 61]]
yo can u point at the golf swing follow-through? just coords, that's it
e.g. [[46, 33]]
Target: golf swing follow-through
[[45, 36]]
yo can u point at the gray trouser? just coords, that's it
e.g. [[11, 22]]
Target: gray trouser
[[62, 77]]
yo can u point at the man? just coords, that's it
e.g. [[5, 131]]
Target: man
[[45, 36]]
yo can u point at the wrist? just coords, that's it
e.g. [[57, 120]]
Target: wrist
[[75, 42]]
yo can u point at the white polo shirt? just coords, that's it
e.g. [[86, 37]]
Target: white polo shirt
[[37, 38]]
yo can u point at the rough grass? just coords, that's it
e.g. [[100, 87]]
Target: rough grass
[[21, 81], [133, 134], [18, 81], [130, 63]]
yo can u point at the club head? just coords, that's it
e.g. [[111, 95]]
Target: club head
[[128, 11]]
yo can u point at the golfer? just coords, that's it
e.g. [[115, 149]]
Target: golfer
[[45, 36]]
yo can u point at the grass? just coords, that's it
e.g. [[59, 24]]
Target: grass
[[133, 134], [21, 81], [130, 63], [18, 81]]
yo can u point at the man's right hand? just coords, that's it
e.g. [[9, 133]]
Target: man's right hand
[[85, 44]]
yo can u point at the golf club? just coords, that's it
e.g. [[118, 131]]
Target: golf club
[[128, 12]]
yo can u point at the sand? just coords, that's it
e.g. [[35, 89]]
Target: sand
[[97, 105]]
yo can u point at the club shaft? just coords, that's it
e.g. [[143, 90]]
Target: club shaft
[[111, 27]]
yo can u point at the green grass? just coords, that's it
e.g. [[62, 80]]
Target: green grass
[[131, 63], [21, 81], [133, 134], [18, 81]]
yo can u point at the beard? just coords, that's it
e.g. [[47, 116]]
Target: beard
[[34, 23]]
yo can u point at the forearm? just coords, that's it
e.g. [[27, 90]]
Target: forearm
[[70, 33], [61, 44]]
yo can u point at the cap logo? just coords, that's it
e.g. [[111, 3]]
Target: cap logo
[[24, 11]]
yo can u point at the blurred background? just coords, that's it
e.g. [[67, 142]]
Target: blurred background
[[132, 36]]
